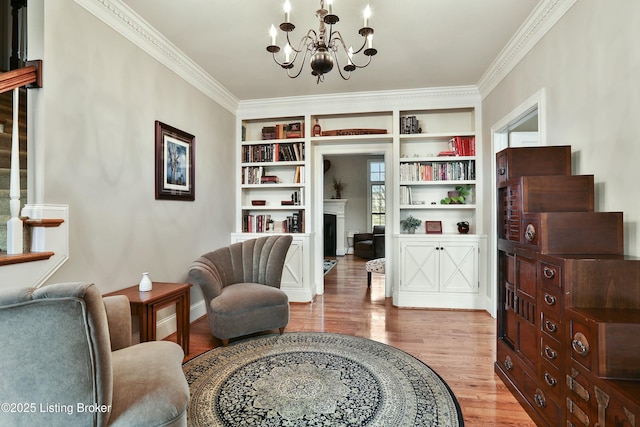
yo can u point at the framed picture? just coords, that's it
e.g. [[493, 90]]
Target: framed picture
[[175, 164], [433, 227]]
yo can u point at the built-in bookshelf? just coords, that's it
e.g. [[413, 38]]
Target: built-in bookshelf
[[437, 153], [273, 175], [429, 151]]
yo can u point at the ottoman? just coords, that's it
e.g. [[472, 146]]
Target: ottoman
[[374, 266]]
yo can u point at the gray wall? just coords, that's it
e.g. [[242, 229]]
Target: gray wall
[[589, 64], [101, 97]]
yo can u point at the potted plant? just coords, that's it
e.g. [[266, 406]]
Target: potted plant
[[338, 186], [457, 196], [410, 224]]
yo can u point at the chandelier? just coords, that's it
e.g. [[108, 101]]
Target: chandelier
[[322, 46]]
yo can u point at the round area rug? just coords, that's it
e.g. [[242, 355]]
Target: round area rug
[[316, 379]]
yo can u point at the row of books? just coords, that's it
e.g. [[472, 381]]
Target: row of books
[[409, 124], [256, 175], [283, 131], [263, 223], [463, 145], [406, 197], [438, 171], [277, 152]]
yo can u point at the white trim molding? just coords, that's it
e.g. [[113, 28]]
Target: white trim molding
[[545, 15], [134, 28]]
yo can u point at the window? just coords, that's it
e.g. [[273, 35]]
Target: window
[[377, 197]]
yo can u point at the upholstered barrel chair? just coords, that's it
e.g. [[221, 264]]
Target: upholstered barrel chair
[[66, 360], [241, 287]]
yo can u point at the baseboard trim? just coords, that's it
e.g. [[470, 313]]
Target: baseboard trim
[[167, 325]]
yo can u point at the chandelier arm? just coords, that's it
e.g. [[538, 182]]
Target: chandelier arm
[[362, 66], [364, 44], [311, 35], [304, 60]]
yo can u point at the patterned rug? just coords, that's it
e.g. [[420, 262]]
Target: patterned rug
[[329, 264], [316, 379]]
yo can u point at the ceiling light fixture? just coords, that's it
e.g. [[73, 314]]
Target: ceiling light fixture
[[322, 46]]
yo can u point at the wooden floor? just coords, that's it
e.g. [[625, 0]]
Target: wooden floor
[[458, 345]]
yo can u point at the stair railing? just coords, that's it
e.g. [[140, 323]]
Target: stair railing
[[30, 76]]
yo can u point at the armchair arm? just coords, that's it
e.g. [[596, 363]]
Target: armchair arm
[[119, 321], [359, 237]]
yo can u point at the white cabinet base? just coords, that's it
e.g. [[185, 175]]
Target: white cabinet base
[[443, 271]]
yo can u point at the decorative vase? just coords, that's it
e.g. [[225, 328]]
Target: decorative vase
[[463, 227], [145, 283], [317, 130], [412, 230]]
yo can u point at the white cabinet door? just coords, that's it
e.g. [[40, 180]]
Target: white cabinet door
[[439, 266], [458, 267], [293, 273], [419, 268]]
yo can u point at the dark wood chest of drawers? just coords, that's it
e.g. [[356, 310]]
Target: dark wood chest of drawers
[[567, 277]]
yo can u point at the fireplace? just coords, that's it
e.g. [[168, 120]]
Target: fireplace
[[329, 235], [336, 208]]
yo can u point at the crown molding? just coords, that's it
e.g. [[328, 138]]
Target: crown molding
[[545, 15], [134, 28], [407, 99]]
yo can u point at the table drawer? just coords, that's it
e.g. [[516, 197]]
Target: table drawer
[[551, 351], [551, 325], [542, 402]]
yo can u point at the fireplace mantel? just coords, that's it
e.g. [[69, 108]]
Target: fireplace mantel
[[337, 207]]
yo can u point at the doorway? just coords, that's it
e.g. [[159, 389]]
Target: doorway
[[524, 126], [322, 191]]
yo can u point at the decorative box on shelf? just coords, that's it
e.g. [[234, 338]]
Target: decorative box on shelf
[[258, 202]]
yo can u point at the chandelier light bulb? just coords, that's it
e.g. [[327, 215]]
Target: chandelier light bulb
[[330, 3], [370, 41], [367, 15], [273, 33], [350, 55], [287, 10], [287, 52]]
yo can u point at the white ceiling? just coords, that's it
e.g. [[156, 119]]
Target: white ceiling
[[420, 43]]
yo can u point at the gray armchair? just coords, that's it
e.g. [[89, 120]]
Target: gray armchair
[[67, 359], [241, 287]]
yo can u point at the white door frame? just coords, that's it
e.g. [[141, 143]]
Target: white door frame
[[317, 186]]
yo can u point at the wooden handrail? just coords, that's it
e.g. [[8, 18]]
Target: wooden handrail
[[29, 75]]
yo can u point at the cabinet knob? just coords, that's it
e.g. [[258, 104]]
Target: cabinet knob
[[550, 326], [550, 379], [550, 353], [549, 299], [530, 233], [580, 344], [508, 363], [539, 398], [549, 273], [502, 171]]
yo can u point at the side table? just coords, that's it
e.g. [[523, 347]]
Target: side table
[[145, 305]]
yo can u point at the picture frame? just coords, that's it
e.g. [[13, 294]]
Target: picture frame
[[175, 163], [433, 227]]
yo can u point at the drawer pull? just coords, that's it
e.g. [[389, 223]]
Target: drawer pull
[[538, 397], [550, 380], [550, 353], [502, 171], [508, 363], [550, 326], [549, 299], [530, 233], [580, 344], [549, 273]]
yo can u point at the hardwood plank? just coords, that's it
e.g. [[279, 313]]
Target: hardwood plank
[[458, 345]]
